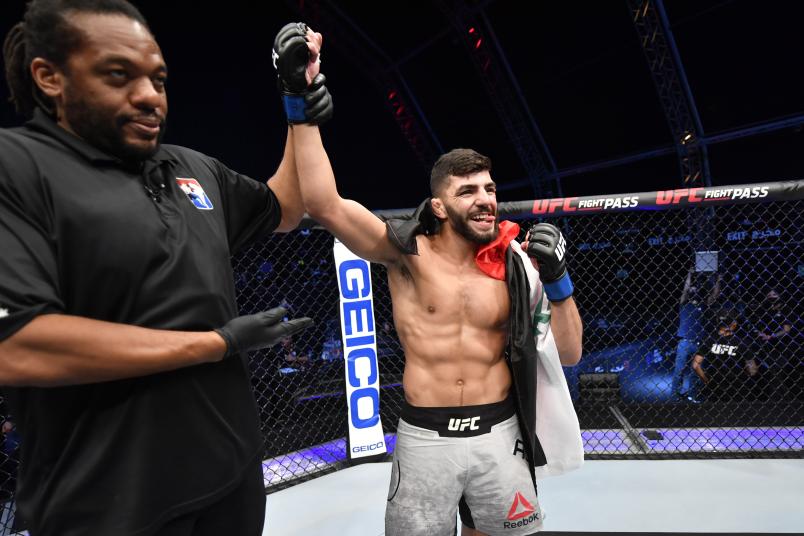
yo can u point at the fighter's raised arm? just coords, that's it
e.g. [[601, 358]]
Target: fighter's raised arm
[[465, 307], [308, 104], [352, 223]]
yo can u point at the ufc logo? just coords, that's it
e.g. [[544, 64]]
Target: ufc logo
[[459, 425], [721, 349], [561, 247]]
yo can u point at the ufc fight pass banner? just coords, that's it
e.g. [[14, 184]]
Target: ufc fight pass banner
[[661, 200], [360, 353]]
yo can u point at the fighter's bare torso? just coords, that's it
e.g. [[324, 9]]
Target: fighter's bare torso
[[452, 321]]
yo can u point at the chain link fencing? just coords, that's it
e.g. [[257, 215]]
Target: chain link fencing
[[653, 287], [658, 277], [660, 292]]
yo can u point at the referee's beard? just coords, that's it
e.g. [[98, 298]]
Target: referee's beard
[[104, 129]]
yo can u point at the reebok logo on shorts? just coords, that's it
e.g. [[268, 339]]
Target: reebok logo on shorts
[[520, 508], [521, 513]]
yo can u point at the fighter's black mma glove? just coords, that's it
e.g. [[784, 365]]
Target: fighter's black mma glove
[[252, 332], [291, 56], [546, 244], [318, 102]]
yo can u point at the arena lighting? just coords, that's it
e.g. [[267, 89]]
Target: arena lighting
[[687, 440], [479, 39], [293, 465], [686, 138], [301, 463]]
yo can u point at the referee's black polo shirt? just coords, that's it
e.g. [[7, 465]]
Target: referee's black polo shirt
[[81, 235]]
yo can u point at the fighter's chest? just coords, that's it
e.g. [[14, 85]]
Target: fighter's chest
[[453, 293]]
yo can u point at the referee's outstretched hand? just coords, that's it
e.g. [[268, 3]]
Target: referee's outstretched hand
[[252, 332]]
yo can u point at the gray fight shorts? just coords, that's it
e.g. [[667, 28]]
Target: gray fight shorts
[[472, 455]]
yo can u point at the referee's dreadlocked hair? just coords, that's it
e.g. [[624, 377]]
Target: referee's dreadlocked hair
[[46, 32]]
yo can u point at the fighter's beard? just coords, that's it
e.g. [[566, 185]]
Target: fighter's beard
[[462, 226]]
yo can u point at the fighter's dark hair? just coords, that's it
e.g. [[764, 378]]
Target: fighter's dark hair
[[457, 162], [46, 32]]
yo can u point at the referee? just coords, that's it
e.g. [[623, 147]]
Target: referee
[[121, 353]]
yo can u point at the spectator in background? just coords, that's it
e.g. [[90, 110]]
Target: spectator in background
[[332, 346], [9, 460], [332, 349], [11, 438], [773, 332], [287, 304], [691, 330], [291, 355], [725, 362]]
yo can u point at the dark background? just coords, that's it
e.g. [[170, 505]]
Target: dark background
[[579, 65]]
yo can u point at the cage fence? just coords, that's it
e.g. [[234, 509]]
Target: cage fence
[[658, 276]]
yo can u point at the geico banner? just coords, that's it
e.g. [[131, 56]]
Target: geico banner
[[360, 353]]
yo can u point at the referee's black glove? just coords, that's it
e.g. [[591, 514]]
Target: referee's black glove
[[253, 332]]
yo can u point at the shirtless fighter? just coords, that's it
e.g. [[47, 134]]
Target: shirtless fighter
[[461, 297]]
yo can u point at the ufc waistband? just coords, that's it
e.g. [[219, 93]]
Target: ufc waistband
[[460, 421]]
